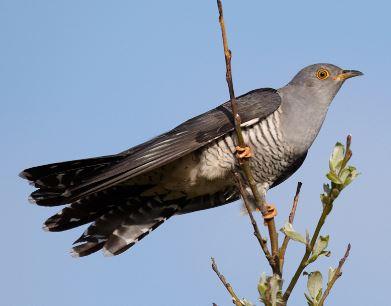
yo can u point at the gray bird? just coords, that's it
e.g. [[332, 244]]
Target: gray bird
[[127, 195]]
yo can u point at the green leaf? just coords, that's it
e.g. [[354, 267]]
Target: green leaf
[[246, 302], [334, 178], [353, 173], [314, 286], [319, 248], [331, 274], [262, 287], [291, 233], [274, 282], [310, 301], [345, 173], [337, 157]]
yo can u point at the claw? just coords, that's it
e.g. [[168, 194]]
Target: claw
[[243, 152]]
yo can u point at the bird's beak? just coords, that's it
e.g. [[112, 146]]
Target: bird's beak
[[346, 74]]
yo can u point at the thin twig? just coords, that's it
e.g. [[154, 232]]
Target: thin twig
[[337, 274], [244, 163], [291, 218], [295, 202], [257, 233], [227, 285]]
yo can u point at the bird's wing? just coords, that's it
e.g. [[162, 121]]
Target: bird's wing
[[185, 138]]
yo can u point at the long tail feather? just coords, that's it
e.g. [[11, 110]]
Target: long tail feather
[[53, 179], [90, 208], [136, 227], [121, 227]]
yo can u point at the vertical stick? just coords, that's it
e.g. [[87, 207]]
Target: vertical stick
[[244, 163]]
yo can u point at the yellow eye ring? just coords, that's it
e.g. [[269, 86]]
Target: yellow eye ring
[[322, 74]]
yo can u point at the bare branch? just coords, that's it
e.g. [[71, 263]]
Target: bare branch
[[291, 218], [257, 233], [244, 162], [295, 202], [227, 285], [337, 274]]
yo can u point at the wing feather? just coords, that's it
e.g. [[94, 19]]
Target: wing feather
[[185, 138]]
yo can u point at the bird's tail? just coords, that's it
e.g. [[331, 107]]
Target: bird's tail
[[53, 179], [119, 216], [122, 226]]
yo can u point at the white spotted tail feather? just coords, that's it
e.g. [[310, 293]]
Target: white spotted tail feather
[[123, 226]]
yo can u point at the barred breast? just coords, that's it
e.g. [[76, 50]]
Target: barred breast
[[272, 156], [208, 171]]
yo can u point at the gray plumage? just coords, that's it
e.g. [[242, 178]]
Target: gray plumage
[[129, 194]]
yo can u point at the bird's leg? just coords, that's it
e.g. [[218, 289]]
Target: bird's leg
[[262, 192], [243, 152], [271, 210], [268, 216]]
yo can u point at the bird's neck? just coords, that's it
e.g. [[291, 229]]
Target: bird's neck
[[303, 114]]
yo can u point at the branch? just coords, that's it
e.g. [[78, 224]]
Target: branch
[[291, 218], [303, 263], [337, 274], [295, 202], [244, 163], [327, 198], [235, 298], [257, 233]]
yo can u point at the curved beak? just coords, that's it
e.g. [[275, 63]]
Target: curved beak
[[347, 74]]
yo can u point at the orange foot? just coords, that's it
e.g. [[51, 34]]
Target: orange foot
[[243, 152], [271, 212]]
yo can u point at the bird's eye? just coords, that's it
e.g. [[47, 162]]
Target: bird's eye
[[322, 74]]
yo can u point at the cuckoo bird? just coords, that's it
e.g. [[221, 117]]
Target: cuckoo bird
[[127, 195]]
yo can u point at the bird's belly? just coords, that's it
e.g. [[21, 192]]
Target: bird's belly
[[203, 172], [195, 174]]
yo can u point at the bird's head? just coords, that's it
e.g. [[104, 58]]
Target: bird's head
[[322, 79]]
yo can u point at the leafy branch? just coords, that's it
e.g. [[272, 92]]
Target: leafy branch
[[340, 176]]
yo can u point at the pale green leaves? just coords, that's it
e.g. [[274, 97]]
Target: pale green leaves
[[315, 288], [340, 173], [244, 302], [337, 157], [274, 282], [262, 287], [331, 275], [269, 288], [292, 234], [348, 175], [319, 249]]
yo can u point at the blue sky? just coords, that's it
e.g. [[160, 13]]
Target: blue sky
[[88, 78]]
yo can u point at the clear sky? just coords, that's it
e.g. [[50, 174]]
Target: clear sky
[[87, 78]]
